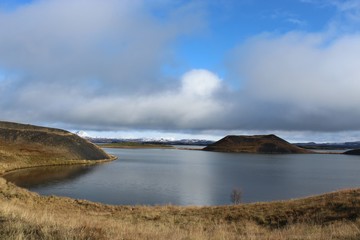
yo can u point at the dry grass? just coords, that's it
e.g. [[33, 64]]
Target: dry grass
[[26, 215], [19, 156], [32, 145]]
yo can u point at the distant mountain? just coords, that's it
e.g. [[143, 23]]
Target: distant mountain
[[199, 142], [327, 146], [26, 143], [254, 144]]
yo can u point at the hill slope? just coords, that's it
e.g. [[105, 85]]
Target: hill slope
[[353, 152], [26, 143], [254, 144]]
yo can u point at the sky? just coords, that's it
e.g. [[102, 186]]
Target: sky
[[183, 68]]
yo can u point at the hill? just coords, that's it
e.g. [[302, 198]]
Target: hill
[[27, 145], [353, 152], [330, 146], [254, 144]]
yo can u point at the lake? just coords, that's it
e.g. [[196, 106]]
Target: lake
[[192, 177]]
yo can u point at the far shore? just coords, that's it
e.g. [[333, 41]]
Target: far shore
[[142, 145], [134, 145]]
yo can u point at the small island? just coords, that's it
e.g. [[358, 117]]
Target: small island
[[255, 144]]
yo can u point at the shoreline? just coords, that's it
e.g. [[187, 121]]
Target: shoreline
[[264, 220], [60, 163], [113, 158], [23, 211]]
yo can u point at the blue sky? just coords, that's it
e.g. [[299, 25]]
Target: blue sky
[[183, 69], [230, 23]]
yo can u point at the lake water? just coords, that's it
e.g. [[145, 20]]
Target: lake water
[[191, 177]]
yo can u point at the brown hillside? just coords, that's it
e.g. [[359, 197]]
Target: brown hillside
[[26, 143], [353, 152], [254, 144]]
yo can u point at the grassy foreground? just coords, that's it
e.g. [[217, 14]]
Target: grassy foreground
[[26, 215]]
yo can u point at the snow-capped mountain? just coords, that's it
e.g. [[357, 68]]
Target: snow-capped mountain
[[82, 134], [151, 140]]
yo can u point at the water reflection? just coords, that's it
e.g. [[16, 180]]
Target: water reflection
[[189, 177], [38, 177]]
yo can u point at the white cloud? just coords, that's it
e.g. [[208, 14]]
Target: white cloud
[[60, 56], [119, 45], [191, 105], [200, 82], [308, 82]]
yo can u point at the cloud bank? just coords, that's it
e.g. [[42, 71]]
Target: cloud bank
[[98, 65], [301, 81]]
